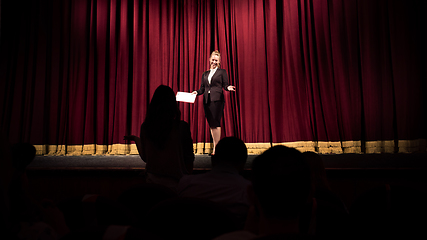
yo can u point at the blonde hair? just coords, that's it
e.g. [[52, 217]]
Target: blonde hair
[[216, 52]]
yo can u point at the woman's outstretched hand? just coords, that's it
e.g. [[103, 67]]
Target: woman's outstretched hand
[[231, 88]]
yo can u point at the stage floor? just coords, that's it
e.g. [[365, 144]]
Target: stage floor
[[203, 162]]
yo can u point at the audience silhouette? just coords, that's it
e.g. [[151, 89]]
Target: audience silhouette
[[140, 199], [6, 175], [280, 190], [389, 211], [165, 143], [288, 197], [325, 216], [223, 184], [189, 218], [29, 218]]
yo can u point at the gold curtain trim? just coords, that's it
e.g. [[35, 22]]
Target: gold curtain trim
[[384, 146]]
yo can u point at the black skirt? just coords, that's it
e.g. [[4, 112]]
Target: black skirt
[[213, 113]]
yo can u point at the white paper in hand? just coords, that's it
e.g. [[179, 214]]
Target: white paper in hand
[[185, 97]]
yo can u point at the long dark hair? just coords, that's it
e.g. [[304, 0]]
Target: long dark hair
[[162, 114]]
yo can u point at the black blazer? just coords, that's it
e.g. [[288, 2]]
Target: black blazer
[[219, 80]]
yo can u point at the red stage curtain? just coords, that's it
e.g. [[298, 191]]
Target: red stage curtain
[[82, 72]]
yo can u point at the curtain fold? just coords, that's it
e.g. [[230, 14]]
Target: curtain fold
[[343, 75]]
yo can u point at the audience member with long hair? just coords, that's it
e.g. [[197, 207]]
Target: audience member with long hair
[[165, 143]]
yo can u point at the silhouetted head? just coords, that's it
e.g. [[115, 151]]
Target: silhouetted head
[[22, 154], [163, 104], [231, 151], [281, 182], [317, 170]]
